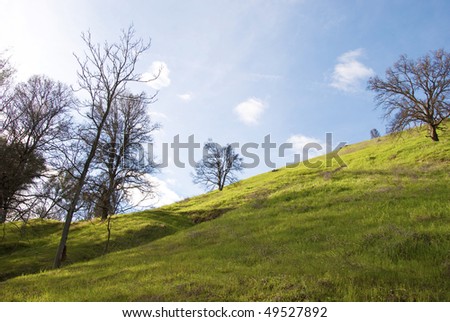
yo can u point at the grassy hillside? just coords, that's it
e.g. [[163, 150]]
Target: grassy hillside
[[375, 230], [30, 248]]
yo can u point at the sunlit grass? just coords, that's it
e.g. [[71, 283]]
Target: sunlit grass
[[376, 230]]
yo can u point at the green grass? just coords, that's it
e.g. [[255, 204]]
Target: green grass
[[29, 248], [376, 230]]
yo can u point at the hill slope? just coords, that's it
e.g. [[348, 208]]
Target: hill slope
[[29, 248], [376, 230]]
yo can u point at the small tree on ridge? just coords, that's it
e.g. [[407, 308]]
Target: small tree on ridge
[[218, 166]]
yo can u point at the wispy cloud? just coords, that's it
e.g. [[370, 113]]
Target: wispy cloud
[[349, 73], [158, 74], [186, 96], [250, 111]]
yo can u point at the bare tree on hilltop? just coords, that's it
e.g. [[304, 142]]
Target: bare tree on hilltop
[[415, 92], [218, 166]]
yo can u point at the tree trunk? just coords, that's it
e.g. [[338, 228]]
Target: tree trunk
[[102, 207], [104, 75], [104, 213], [2, 215], [433, 133], [108, 228], [65, 233], [79, 187]]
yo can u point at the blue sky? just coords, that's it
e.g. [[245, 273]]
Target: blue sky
[[236, 71]]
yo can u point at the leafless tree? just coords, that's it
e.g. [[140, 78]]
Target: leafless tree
[[104, 74], [415, 92], [36, 114], [120, 164], [218, 166], [34, 118]]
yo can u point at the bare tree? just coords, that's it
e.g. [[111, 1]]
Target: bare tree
[[120, 164], [104, 74], [34, 119], [36, 113], [415, 92], [218, 166]]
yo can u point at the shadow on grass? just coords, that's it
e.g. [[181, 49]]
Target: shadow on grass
[[199, 216], [32, 249]]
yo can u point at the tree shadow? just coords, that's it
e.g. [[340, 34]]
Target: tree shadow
[[34, 252]]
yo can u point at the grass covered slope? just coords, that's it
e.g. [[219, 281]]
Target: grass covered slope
[[30, 248], [376, 230]]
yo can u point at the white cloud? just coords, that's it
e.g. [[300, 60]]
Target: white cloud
[[186, 96], [163, 195], [310, 144], [160, 71], [250, 111], [349, 73]]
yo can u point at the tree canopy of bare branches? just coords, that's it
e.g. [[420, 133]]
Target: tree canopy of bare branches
[[34, 118], [120, 164], [415, 92], [103, 75], [218, 166]]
